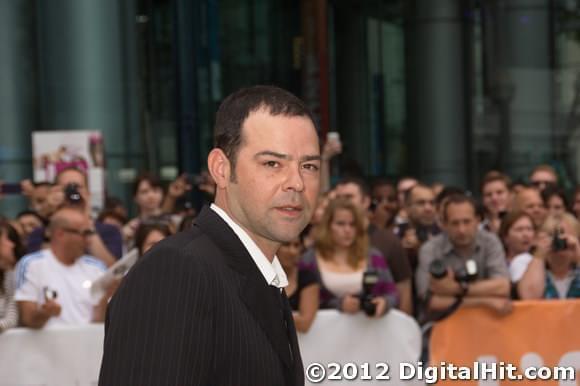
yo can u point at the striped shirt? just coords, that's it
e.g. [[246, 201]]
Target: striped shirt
[[8, 309]]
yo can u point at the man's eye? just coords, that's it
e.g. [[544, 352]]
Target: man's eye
[[272, 164], [311, 167]]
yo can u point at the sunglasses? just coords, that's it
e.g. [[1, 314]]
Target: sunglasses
[[83, 233]]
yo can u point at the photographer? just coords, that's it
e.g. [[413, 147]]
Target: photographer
[[553, 272], [463, 266], [422, 225], [71, 190], [344, 263]]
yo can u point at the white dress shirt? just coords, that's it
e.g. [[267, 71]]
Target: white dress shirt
[[273, 272]]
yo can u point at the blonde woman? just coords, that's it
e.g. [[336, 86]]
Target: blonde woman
[[341, 257], [553, 272]]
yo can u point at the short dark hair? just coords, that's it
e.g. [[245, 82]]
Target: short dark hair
[[382, 181], [110, 213], [152, 179], [235, 109], [409, 192], [145, 229], [30, 212], [493, 176], [457, 199], [551, 191], [358, 181]]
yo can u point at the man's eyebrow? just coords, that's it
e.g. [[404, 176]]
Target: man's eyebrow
[[274, 154]]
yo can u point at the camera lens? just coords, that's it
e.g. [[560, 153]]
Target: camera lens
[[438, 269]]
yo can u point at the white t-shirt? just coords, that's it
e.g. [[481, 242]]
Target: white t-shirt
[[42, 269], [519, 265]]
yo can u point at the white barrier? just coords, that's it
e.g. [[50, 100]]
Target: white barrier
[[342, 339], [54, 356], [71, 356]]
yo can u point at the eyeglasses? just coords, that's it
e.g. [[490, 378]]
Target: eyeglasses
[[380, 199], [540, 183], [424, 203], [83, 233]]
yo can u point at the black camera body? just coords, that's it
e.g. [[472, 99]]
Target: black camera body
[[558, 243], [72, 194], [466, 273], [370, 278]]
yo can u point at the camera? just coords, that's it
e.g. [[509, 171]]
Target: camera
[[558, 243], [466, 273], [49, 294], [72, 194], [370, 278]]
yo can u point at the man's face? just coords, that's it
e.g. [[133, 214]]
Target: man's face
[[39, 202], [542, 178], [72, 234], [352, 192], [385, 198], [403, 187], [496, 197], [28, 223], [277, 177], [74, 177], [421, 207], [461, 224], [533, 205]]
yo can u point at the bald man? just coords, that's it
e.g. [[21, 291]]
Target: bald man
[[53, 285], [530, 201]]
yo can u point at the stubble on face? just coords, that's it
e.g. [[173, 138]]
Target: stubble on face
[[277, 177]]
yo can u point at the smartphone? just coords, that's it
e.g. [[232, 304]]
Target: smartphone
[[49, 294], [6, 188], [333, 136]]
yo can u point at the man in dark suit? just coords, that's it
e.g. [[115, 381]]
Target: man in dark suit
[[207, 306]]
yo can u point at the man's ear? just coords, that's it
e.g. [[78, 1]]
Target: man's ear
[[219, 167]]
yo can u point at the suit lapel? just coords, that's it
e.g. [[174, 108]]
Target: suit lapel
[[255, 293]]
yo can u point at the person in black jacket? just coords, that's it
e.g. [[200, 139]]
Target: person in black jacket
[[207, 306]]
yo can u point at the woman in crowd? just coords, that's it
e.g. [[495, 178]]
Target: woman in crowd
[[148, 195], [342, 256], [518, 236], [303, 288], [10, 251], [553, 272], [555, 200], [149, 234]]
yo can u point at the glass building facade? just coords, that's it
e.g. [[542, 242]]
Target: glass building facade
[[444, 90]]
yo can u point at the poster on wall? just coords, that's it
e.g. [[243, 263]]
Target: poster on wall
[[54, 151]]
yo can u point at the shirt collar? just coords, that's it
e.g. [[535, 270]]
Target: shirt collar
[[273, 272], [448, 247]]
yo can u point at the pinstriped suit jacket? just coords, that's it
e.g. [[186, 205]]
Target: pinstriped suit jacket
[[196, 310]]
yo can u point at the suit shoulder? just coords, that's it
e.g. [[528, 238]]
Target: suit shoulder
[[187, 249]]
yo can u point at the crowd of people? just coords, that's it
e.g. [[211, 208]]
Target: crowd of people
[[372, 245]]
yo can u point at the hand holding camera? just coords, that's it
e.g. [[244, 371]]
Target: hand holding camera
[[450, 282], [50, 306], [350, 304]]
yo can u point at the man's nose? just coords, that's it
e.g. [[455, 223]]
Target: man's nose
[[294, 180]]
